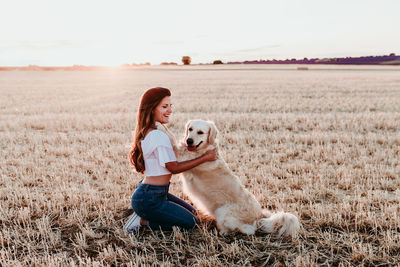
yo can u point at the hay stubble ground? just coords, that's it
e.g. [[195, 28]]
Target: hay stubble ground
[[323, 144]]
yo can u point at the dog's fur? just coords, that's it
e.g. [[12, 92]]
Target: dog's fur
[[216, 191]]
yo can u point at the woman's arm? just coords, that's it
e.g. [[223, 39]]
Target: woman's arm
[[177, 167]]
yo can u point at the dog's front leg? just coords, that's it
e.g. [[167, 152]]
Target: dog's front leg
[[165, 130], [178, 147]]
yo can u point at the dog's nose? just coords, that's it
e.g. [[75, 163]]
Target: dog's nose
[[189, 141]]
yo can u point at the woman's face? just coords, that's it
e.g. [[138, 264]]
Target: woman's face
[[163, 110]]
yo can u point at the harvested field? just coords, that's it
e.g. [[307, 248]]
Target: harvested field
[[323, 144]]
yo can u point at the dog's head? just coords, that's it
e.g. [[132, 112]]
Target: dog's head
[[200, 134]]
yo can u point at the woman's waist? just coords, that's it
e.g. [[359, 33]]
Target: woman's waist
[[155, 169], [160, 180]]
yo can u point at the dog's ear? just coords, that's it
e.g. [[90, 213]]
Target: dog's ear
[[187, 128], [212, 133]]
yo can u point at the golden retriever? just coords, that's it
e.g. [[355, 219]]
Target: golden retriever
[[216, 191]]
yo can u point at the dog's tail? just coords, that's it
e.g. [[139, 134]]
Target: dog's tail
[[281, 223]]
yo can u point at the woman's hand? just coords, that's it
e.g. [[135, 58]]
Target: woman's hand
[[177, 167], [211, 155]]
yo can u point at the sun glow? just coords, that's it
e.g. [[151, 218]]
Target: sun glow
[[90, 32]]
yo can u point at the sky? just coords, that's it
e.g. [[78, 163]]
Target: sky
[[111, 33]]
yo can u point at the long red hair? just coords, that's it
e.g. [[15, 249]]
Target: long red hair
[[144, 121]]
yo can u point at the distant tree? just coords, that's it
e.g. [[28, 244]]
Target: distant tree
[[218, 62], [305, 58], [168, 63], [186, 60], [141, 64], [392, 54]]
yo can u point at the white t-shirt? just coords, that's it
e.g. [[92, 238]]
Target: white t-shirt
[[157, 150]]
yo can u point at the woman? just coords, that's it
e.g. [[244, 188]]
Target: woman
[[152, 155]]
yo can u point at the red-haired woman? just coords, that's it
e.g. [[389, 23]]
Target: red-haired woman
[[152, 155]]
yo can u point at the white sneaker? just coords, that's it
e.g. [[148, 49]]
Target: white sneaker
[[133, 224]]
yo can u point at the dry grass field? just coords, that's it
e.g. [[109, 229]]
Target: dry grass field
[[323, 144]]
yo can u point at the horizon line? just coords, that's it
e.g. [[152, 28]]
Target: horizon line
[[165, 63]]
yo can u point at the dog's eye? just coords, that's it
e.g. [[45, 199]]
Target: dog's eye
[[199, 132], [190, 129]]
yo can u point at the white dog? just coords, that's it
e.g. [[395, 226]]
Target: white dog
[[216, 191]]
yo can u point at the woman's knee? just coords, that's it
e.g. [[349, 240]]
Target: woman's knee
[[191, 223]]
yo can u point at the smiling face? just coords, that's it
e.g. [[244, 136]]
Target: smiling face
[[163, 110], [199, 134]]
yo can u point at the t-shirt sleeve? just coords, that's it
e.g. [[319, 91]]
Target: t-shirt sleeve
[[159, 145], [165, 154]]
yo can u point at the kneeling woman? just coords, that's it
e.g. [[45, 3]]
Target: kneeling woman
[[152, 155]]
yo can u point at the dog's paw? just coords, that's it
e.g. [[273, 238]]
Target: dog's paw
[[247, 229], [160, 126], [266, 213]]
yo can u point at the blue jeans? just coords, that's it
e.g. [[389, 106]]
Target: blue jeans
[[161, 209]]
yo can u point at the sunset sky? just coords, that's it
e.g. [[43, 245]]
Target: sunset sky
[[97, 32]]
